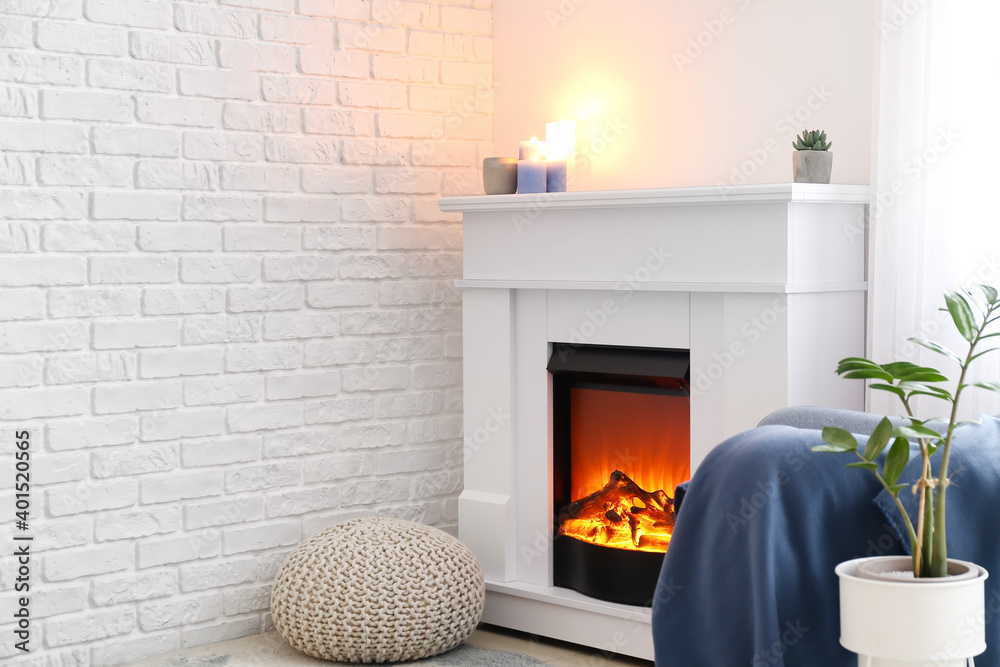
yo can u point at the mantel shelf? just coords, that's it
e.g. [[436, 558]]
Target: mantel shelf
[[742, 194], [709, 288]]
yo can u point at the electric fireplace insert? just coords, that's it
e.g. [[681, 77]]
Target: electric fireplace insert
[[621, 444]]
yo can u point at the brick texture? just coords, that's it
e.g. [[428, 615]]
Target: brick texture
[[219, 252]]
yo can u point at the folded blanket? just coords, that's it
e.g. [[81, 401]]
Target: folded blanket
[[748, 578]]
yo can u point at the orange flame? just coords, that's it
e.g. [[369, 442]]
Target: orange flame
[[645, 436]]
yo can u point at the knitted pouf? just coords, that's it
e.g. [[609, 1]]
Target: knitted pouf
[[378, 590]]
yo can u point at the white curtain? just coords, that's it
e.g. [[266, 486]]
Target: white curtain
[[935, 224]]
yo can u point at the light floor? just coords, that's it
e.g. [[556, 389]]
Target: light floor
[[549, 651], [269, 650]]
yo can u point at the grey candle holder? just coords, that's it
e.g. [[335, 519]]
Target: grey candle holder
[[500, 175]]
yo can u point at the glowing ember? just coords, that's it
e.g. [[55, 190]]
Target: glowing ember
[[622, 516]]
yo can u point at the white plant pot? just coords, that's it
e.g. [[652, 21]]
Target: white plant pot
[[912, 624]]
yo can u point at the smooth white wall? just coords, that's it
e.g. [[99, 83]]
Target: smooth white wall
[[693, 122]]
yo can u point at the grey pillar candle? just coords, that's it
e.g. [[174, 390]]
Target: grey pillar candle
[[500, 175]]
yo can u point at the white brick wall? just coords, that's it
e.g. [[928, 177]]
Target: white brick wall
[[225, 305]]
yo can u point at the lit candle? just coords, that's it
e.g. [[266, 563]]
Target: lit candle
[[560, 151], [560, 140], [531, 176], [555, 176], [532, 150]]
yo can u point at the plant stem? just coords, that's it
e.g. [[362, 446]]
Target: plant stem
[[902, 510], [906, 520], [922, 547], [927, 498], [939, 565]]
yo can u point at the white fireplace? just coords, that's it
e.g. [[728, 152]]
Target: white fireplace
[[763, 285]]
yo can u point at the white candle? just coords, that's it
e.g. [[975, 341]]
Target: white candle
[[532, 150], [560, 140], [560, 148]]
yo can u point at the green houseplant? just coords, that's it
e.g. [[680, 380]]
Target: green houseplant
[[812, 161], [972, 311]]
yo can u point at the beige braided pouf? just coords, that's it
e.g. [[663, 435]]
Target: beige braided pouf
[[378, 590]]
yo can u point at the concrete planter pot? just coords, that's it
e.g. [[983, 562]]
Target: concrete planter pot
[[812, 166], [500, 175], [893, 622]]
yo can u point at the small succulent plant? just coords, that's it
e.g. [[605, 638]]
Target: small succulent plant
[[812, 141]]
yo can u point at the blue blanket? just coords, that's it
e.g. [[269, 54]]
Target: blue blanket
[[748, 578]]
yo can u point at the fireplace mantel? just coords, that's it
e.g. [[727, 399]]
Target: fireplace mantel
[[770, 193], [764, 284]]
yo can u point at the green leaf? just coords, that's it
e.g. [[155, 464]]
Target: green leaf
[[991, 385], [940, 349], [849, 361], [867, 465], [868, 374], [837, 440], [878, 439], [890, 388], [899, 369], [928, 393], [990, 293], [976, 303], [899, 455], [961, 314], [979, 354], [915, 431], [923, 374], [847, 366], [896, 488], [919, 388]]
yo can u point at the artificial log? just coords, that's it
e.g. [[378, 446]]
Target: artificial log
[[621, 515]]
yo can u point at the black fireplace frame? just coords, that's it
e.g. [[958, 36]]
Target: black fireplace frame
[[589, 568]]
